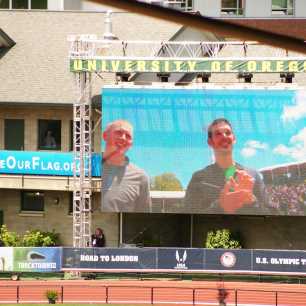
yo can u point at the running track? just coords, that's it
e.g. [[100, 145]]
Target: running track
[[163, 292]]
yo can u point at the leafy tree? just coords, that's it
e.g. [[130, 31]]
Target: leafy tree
[[221, 239], [166, 182]]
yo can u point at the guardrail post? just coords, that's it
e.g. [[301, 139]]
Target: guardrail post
[[193, 296], [17, 294], [62, 294], [276, 298], [236, 297], [106, 295], [152, 300]]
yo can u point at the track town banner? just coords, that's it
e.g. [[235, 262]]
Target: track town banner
[[186, 65]]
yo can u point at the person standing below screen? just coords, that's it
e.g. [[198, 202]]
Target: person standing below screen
[[98, 238], [125, 187], [225, 186]]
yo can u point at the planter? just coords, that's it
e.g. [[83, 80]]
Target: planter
[[52, 301]]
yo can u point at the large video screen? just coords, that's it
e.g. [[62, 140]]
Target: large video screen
[[204, 151]]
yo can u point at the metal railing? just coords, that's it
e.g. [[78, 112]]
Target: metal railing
[[148, 295]]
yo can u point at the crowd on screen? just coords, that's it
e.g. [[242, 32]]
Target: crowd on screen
[[289, 198]]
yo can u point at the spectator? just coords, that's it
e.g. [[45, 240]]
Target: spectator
[[49, 141], [98, 238]]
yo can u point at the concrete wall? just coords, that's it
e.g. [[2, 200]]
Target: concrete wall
[[31, 115], [55, 216], [300, 8], [257, 232], [36, 69], [211, 8], [258, 8], [55, 5]]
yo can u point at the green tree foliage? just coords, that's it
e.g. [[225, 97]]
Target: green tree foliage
[[36, 238], [166, 182], [221, 239], [10, 239], [33, 238]]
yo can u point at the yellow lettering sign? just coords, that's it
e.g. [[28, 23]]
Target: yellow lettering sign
[[266, 66], [91, 65], [166, 66], [155, 66], [177, 65], [251, 66], [228, 66], [115, 65], [293, 66], [141, 66], [77, 65], [128, 66], [191, 65], [215, 66], [280, 66]]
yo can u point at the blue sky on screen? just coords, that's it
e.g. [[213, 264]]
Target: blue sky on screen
[[170, 126]]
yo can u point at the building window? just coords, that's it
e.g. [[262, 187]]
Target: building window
[[32, 201], [14, 134], [20, 4], [4, 4], [49, 134], [24, 4], [232, 7], [282, 7], [39, 4]]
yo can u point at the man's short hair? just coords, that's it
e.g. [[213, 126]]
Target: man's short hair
[[118, 122], [215, 122]]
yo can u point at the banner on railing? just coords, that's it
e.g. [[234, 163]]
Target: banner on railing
[[55, 259]]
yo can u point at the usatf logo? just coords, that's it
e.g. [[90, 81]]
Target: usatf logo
[[228, 259], [181, 261]]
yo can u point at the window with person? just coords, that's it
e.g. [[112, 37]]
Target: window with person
[[49, 134], [232, 7], [32, 201], [282, 7]]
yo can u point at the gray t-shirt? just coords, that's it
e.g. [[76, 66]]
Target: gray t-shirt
[[125, 189], [205, 186]]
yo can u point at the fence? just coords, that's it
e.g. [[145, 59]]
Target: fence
[[147, 295]]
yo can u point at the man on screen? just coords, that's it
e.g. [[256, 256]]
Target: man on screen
[[125, 187], [225, 186]]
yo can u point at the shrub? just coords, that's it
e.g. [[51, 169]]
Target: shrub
[[9, 238], [33, 238], [221, 239], [37, 238]]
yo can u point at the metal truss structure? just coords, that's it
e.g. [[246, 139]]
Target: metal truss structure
[[82, 149], [172, 50], [89, 47]]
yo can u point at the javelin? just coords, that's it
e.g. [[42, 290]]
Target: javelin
[[221, 27]]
